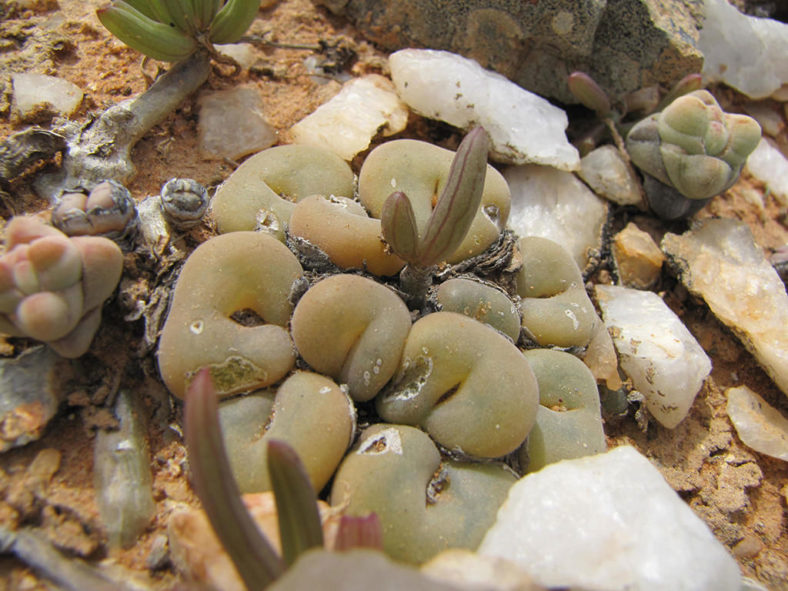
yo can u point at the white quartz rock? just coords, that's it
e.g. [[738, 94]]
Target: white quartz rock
[[662, 358], [748, 53], [719, 261], [768, 164], [759, 425], [608, 522], [347, 123], [523, 127], [556, 205], [36, 91]]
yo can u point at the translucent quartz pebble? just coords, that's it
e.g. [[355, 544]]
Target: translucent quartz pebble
[[768, 164], [608, 175], [232, 125], [759, 425], [33, 92], [553, 204], [636, 531], [347, 123], [663, 359], [523, 127], [243, 53], [719, 261], [123, 480]]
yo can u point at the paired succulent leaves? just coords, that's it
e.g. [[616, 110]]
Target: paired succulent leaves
[[171, 30], [453, 213]]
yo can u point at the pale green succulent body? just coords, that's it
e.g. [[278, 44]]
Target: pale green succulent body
[[693, 146]]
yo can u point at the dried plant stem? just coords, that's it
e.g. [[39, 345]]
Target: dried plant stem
[[68, 573], [101, 149]]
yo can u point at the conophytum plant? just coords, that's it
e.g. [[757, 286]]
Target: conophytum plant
[[689, 149], [300, 527], [589, 94], [450, 219]]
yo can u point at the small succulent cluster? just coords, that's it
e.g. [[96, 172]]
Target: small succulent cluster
[[108, 210], [171, 30], [52, 286], [693, 146], [689, 151]]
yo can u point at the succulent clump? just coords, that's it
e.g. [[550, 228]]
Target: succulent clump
[[693, 145], [184, 202], [108, 210], [52, 286], [171, 30]]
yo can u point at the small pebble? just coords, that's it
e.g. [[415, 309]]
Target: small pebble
[[759, 425], [36, 92], [608, 175], [638, 258], [231, 123]]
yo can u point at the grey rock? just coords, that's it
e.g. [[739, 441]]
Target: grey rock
[[623, 44], [605, 171], [28, 397]]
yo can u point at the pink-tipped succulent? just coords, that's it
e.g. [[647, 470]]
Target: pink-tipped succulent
[[52, 286], [454, 211], [693, 145]]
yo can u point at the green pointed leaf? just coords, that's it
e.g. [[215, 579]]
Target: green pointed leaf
[[296, 505], [213, 481]]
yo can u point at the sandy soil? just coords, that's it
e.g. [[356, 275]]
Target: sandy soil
[[741, 494]]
